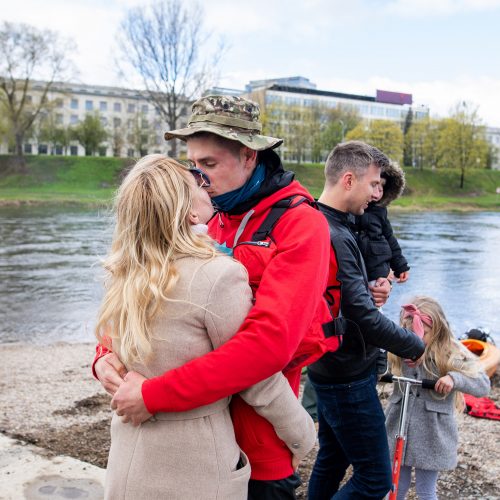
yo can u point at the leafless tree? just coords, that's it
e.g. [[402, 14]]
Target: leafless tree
[[162, 43], [31, 60]]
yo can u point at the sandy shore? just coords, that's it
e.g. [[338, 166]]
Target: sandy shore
[[48, 397]]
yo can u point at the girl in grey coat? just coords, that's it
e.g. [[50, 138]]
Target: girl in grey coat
[[431, 434]]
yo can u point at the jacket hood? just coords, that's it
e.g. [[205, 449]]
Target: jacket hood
[[278, 184], [394, 183]]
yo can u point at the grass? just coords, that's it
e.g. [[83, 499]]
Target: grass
[[93, 180], [49, 179]]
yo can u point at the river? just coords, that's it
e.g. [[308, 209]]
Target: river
[[50, 276]]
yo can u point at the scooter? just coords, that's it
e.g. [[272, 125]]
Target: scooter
[[401, 434]]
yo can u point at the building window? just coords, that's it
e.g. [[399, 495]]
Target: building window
[[42, 149], [144, 109], [29, 99], [74, 104], [73, 119], [130, 152], [59, 150], [117, 122], [117, 107], [104, 121], [89, 105], [28, 149], [102, 151], [59, 102], [59, 119], [131, 108], [73, 150]]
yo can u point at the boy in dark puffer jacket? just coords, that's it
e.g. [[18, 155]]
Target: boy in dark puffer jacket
[[376, 240]]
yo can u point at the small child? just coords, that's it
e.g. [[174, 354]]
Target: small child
[[379, 247], [432, 434]]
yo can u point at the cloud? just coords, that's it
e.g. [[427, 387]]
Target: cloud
[[426, 8]]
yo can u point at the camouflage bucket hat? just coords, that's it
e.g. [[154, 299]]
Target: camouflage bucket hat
[[231, 117]]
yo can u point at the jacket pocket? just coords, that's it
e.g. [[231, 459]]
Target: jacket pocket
[[255, 256], [379, 248], [438, 407]]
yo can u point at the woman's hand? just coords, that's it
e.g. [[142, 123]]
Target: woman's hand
[[444, 385], [110, 371], [295, 463]]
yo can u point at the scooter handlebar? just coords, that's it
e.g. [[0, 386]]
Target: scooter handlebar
[[425, 383]]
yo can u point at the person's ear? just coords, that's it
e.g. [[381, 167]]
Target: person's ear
[[194, 218], [348, 180], [249, 157]]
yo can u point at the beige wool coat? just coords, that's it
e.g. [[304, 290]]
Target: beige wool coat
[[194, 454]]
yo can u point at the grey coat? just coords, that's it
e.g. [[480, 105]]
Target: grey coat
[[432, 434], [194, 454]]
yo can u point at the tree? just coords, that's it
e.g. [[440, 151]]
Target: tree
[[383, 134], [52, 132], [163, 43], [462, 143], [90, 133], [408, 150], [139, 134], [27, 53]]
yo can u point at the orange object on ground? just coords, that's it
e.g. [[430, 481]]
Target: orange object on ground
[[489, 354]]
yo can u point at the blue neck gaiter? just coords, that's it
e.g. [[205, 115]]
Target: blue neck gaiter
[[228, 201]]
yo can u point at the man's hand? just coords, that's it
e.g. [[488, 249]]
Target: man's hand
[[403, 277], [110, 371], [128, 401], [444, 385], [380, 291]]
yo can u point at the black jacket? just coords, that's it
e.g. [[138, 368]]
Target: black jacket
[[378, 245], [366, 328]]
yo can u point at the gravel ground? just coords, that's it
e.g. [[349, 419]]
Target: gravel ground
[[49, 398]]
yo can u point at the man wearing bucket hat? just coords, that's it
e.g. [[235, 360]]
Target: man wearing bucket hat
[[287, 258]]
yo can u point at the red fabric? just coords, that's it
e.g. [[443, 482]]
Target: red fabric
[[100, 351], [482, 407], [288, 279]]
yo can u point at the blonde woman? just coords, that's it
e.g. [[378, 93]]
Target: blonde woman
[[171, 297], [432, 434]]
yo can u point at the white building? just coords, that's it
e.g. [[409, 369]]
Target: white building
[[129, 118], [493, 137]]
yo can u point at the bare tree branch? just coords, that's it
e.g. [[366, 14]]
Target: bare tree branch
[[26, 54], [162, 43]]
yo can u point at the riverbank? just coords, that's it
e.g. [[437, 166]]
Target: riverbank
[[49, 398], [91, 182]]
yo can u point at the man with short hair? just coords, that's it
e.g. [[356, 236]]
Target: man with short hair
[[351, 420], [287, 262]]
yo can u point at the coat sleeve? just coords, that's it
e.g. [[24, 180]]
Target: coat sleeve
[[273, 398], [399, 264], [476, 386], [358, 308], [286, 303]]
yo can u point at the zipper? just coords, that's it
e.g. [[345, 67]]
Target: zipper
[[265, 244]]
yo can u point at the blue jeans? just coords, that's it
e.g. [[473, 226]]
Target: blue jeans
[[351, 431]]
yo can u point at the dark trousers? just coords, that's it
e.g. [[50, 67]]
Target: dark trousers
[[351, 431], [279, 489]]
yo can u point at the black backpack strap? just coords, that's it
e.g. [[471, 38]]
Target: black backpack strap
[[277, 210]]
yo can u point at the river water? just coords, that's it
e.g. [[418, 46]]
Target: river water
[[50, 276]]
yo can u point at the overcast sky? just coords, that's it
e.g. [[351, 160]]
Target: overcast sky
[[441, 51]]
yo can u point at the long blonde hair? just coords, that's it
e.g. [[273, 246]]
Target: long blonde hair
[[443, 353], [151, 208]]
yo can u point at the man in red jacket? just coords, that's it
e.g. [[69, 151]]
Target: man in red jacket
[[288, 271]]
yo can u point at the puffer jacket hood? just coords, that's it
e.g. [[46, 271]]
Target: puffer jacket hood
[[394, 183]]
